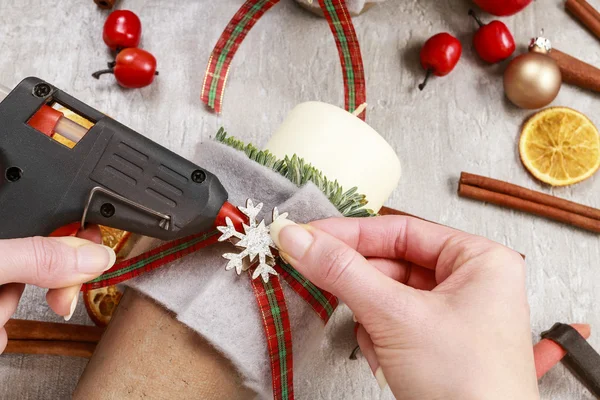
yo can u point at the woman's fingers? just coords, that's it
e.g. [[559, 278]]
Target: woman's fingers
[[62, 263], [10, 294], [368, 350], [53, 262], [63, 301], [395, 237], [405, 272], [334, 266]]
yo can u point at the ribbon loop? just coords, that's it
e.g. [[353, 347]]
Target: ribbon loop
[[226, 47], [341, 26]]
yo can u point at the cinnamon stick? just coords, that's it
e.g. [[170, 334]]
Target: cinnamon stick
[[51, 347], [526, 200], [576, 72], [19, 329], [496, 185], [590, 9], [586, 14]]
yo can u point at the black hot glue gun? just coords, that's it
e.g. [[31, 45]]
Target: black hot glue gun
[[112, 175]]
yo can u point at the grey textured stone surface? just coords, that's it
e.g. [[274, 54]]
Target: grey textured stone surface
[[461, 122]]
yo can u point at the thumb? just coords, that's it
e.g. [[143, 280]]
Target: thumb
[[53, 262], [334, 266]]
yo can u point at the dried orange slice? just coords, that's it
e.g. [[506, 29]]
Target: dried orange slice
[[102, 303], [116, 239], [560, 146]]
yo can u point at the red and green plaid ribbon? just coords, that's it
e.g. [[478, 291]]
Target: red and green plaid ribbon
[[341, 25], [226, 47], [322, 302], [152, 259], [346, 41], [278, 331]]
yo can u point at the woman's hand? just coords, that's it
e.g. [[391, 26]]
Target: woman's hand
[[443, 314], [59, 264]]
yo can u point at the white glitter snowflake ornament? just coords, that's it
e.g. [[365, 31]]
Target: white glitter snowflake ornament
[[255, 241]]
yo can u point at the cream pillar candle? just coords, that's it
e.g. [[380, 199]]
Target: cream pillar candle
[[342, 146]]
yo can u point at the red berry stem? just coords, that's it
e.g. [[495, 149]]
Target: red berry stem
[[102, 72], [427, 76], [472, 14]]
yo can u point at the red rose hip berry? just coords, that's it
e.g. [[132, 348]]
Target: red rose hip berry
[[493, 42], [439, 55], [133, 68], [502, 8], [122, 29]]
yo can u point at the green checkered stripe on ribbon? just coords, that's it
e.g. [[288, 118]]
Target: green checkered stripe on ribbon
[[278, 331], [152, 259], [226, 47], [322, 302], [341, 26]]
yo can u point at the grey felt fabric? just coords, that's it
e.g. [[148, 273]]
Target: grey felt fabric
[[219, 304]]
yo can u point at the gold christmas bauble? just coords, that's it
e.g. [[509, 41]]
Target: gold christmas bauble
[[532, 80]]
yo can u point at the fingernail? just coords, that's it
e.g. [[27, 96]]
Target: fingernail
[[354, 318], [73, 305], [294, 240], [92, 258], [380, 378], [95, 258], [284, 256], [276, 227]]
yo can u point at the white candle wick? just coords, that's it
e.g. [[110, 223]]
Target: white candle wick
[[360, 109]]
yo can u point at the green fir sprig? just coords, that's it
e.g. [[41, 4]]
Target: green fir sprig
[[299, 172]]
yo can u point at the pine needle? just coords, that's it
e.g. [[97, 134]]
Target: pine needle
[[349, 203]]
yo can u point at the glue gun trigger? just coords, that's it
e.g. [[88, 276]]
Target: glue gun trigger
[[108, 210]]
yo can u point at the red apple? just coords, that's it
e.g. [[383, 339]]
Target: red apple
[[502, 8]]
